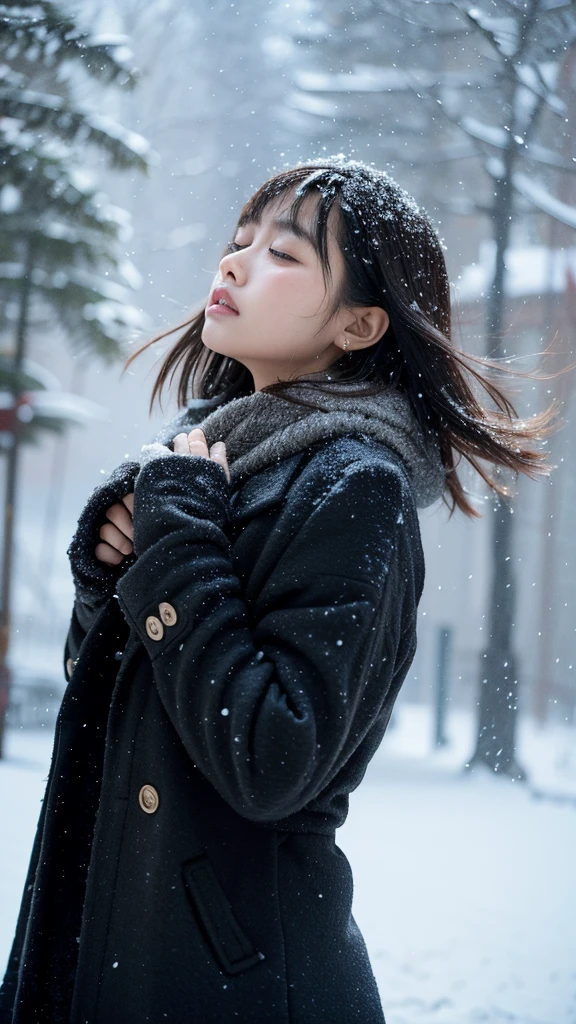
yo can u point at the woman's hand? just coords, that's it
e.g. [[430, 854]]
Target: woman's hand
[[194, 443], [117, 534]]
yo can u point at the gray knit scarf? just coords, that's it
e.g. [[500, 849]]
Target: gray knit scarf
[[261, 429]]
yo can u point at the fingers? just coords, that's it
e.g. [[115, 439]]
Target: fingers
[[116, 539], [197, 443], [120, 517], [118, 533], [109, 555], [181, 444], [194, 443], [218, 454]]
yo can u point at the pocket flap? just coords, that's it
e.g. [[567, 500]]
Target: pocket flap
[[232, 947]]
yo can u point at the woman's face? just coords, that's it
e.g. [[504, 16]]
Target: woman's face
[[274, 279]]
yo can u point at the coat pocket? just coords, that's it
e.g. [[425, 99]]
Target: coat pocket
[[231, 946]]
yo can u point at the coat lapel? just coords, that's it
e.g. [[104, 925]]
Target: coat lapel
[[264, 490]]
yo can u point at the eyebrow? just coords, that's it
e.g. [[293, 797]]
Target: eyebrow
[[294, 229]]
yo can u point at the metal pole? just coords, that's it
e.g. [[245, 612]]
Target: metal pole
[[442, 667]]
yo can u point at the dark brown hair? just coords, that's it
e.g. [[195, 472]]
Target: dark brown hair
[[393, 259]]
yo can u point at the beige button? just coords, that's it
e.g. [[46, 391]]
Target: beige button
[[148, 799], [154, 628], [167, 614], [70, 667]]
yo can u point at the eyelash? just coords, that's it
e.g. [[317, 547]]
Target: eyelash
[[234, 247]]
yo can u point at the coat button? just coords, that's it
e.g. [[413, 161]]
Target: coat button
[[70, 666], [148, 799], [167, 614], [154, 628]]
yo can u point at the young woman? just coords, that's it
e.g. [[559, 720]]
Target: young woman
[[245, 615]]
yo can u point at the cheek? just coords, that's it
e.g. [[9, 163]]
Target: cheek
[[297, 294]]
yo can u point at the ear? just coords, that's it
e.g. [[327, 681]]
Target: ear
[[365, 325]]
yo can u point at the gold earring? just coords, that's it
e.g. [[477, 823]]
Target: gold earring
[[346, 343]]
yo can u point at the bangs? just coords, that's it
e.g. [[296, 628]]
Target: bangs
[[318, 182]]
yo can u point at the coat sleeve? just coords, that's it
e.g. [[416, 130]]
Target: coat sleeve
[[268, 700], [94, 581]]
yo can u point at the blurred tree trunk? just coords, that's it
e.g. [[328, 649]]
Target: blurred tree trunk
[[498, 682]]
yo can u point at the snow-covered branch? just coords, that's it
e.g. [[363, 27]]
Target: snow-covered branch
[[544, 200]]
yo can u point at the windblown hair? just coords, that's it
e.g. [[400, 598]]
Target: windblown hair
[[393, 259]]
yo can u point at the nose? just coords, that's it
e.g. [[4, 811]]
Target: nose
[[232, 268]]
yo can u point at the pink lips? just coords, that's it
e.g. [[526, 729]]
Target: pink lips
[[219, 296], [220, 310]]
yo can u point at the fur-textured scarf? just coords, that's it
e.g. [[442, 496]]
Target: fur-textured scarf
[[261, 429]]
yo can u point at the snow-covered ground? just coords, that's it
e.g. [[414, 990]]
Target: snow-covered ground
[[465, 884]]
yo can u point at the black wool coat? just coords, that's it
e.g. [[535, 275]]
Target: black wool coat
[[222, 705]]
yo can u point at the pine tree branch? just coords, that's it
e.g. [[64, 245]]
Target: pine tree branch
[[54, 38], [37, 111]]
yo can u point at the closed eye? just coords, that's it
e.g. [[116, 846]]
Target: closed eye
[[282, 255], [234, 247]]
